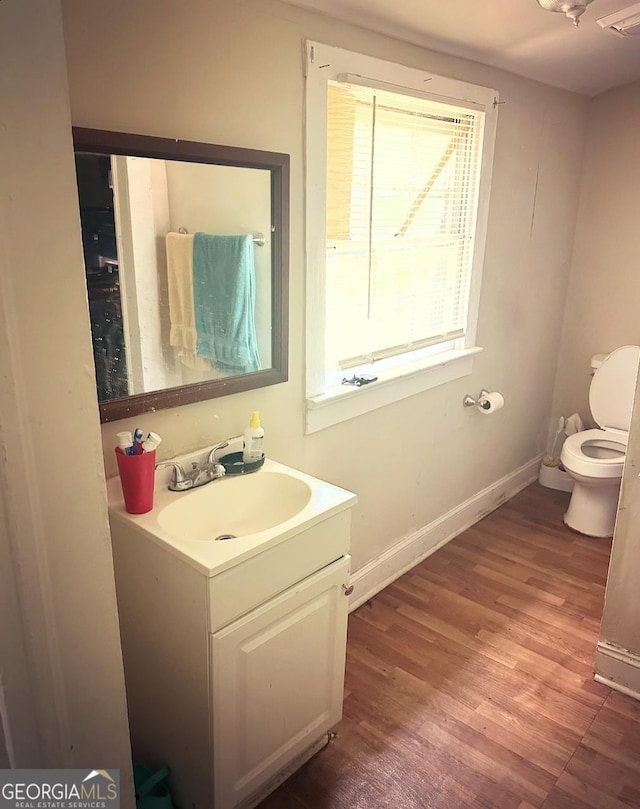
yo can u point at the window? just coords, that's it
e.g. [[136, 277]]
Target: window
[[398, 170]]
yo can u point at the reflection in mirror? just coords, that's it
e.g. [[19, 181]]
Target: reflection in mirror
[[185, 256]]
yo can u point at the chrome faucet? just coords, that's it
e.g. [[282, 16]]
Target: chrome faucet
[[198, 475]]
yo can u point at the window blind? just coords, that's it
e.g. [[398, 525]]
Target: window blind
[[402, 195]]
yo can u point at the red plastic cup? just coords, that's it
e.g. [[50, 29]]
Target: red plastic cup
[[137, 477]]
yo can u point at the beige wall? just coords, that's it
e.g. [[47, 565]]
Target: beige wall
[[621, 617], [602, 313], [19, 743], [603, 301], [54, 540], [232, 73], [5, 762]]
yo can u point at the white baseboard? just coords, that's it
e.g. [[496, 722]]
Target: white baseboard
[[413, 548], [618, 668]]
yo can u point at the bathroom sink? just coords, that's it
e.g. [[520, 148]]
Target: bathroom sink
[[229, 520], [236, 506]]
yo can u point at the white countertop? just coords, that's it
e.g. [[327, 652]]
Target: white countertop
[[212, 557]]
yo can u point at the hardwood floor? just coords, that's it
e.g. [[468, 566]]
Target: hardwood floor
[[470, 682]]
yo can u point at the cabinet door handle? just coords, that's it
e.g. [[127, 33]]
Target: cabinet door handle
[[348, 589]]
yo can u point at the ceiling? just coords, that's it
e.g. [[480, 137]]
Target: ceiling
[[515, 35]]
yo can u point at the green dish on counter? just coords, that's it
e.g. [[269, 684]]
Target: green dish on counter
[[234, 465]]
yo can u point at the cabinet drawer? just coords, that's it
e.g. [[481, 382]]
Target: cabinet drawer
[[249, 584]]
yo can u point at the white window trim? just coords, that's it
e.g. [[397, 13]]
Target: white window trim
[[325, 407]]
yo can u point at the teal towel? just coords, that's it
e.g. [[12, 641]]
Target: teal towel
[[224, 294]]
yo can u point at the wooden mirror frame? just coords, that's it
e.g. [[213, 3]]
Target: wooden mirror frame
[[98, 141]]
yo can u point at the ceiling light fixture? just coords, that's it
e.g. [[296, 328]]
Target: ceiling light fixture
[[573, 9]]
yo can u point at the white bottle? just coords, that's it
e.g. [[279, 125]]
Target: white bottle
[[253, 439], [125, 442]]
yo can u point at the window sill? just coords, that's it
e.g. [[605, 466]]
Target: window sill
[[342, 402]]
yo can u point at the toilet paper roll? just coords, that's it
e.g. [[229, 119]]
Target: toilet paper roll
[[490, 403]]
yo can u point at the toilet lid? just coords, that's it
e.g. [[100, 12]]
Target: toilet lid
[[613, 387]]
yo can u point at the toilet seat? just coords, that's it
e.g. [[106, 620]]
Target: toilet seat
[[596, 453]]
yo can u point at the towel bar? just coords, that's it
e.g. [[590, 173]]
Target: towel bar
[[258, 239]]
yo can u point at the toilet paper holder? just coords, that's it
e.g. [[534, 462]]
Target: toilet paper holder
[[481, 402]]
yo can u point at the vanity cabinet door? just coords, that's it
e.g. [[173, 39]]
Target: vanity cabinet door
[[278, 677]]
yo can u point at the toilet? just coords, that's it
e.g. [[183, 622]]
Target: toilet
[[595, 458]]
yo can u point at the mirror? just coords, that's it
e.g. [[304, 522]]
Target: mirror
[[186, 258]]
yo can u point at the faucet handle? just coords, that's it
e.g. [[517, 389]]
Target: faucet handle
[[178, 472], [212, 452], [217, 470]]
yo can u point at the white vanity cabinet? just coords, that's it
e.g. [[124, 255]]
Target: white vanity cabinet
[[234, 669], [277, 682]]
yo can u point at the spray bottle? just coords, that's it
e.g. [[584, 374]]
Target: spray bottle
[[253, 439]]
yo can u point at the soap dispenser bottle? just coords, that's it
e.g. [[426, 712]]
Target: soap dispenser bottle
[[253, 439]]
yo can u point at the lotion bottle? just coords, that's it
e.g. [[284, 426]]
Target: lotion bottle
[[253, 439]]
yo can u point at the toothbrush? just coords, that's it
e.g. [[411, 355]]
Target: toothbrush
[[138, 438]]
